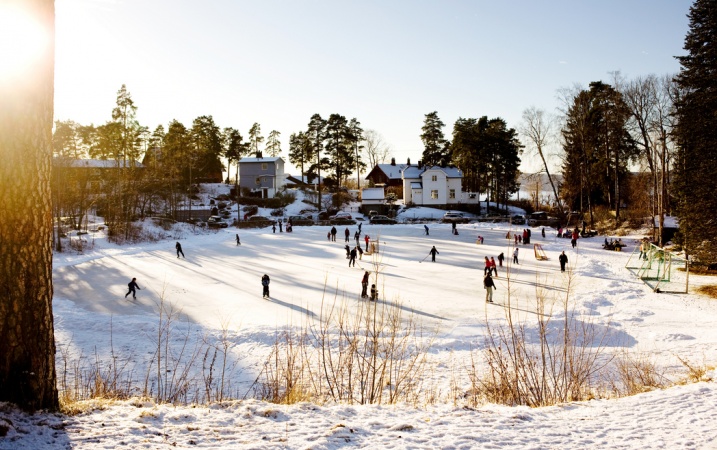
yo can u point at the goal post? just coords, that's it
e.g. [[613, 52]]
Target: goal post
[[660, 269]]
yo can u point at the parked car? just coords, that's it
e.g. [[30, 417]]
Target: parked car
[[452, 217], [342, 221], [518, 219], [382, 220], [216, 222], [260, 219], [341, 215], [301, 220]]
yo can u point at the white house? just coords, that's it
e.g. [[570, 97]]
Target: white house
[[265, 174], [434, 186]]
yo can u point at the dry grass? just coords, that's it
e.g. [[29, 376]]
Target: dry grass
[[709, 290]]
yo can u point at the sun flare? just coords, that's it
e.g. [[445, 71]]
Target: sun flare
[[22, 42]]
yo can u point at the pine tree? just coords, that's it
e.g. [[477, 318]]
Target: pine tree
[[696, 132], [436, 150], [27, 338]]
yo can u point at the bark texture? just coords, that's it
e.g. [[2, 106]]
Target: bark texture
[[27, 344]]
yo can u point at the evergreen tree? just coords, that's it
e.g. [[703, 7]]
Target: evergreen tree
[[255, 138], [233, 149], [27, 338], [315, 135], [696, 133], [436, 148], [273, 145], [299, 150], [207, 147], [338, 147], [597, 148]]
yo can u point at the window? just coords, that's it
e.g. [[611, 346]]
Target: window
[[434, 194], [258, 181], [434, 177], [264, 166], [452, 193]]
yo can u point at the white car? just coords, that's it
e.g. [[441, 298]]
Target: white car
[[451, 217]]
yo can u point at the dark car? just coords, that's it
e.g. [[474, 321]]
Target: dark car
[[342, 221], [382, 220], [301, 220], [216, 222], [518, 219]]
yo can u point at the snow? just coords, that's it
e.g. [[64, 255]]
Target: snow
[[216, 291]]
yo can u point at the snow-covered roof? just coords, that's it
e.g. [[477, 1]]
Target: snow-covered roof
[[393, 172], [372, 194], [96, 163], [416, 185], [254, 159], [415, 172]]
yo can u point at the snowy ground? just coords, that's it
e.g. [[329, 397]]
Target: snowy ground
[[217, 287]]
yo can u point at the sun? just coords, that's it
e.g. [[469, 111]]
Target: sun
[[23, 41]]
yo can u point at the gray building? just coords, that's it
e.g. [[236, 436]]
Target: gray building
[[262, 174]]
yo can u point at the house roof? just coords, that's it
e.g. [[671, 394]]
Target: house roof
[[247, 159], [372, 194], [416, 185], [415, 172], [96, 163], [393, 172]]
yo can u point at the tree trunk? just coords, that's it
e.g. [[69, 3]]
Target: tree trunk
[[27, 345]]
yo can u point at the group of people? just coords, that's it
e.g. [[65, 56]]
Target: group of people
[[289, 226], [364, 287], [522, 238], [618, 245], [490, 269]]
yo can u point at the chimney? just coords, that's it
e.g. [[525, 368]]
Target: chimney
[[408, 161], [258, 155], [393, 161], [420, 164]]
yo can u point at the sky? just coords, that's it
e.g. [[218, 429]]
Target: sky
[[215, 293], [387, 64]]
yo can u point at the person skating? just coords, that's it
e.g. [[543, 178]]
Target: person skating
[[360, 251], [453, 228], [486, 269], [238, 240], [425, 227], [352, 258], [359, 230], [433, 252], [265, 285], [515, 255], [374, 293], [179, 250], [333, 234], [366, 238], [348, 251], [493, 266], [563, 258], [501, 257], [347, 234], [132, 286], [488, 285], [280, 230], [364, 284], [356, 237], [543, 232], [273, 227]]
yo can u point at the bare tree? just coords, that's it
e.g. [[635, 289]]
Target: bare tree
[[539, 128], [27, 344], [375, 148], [650, 104]]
